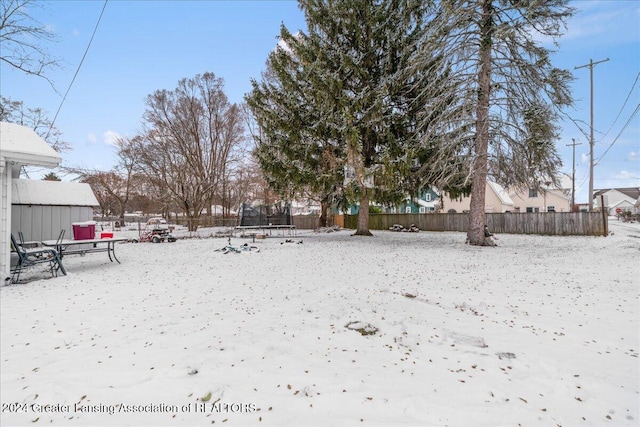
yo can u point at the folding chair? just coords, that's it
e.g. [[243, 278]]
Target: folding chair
[[30, 257]]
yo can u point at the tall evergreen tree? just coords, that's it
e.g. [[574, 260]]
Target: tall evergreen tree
[[511, 91], [342, 96], [295, 152]]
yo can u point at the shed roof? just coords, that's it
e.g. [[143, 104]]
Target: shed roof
[[51, 193], [23, 146]]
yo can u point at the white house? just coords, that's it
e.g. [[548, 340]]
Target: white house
[[302, 207], [19, 146], [618, 198]]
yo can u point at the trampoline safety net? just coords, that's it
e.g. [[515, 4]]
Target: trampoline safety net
[[265, 215]]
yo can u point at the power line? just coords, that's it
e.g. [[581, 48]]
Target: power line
[[623, 105], [78, 69], [575, 122], [604, 135], [620, 133]]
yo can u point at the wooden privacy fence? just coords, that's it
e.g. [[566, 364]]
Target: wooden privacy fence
[[310, 222], [546, 223]]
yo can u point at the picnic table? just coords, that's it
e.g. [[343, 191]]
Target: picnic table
[[82, 247]]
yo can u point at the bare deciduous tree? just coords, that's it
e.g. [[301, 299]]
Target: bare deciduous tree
[[231, 145], [250, 185], [33, 118], [22, 39], [114, 188], [105, 186], [190, 135]]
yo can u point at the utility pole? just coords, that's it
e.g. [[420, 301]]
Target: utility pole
[[573, 176], [591, 64]]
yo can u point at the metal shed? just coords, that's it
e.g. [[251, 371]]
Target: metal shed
[[40, 209]]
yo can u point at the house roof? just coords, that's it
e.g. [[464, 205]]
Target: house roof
[[51, 193], [501, 193], [622, 203], [23, 146], [566, 183], [424, 203], [633, 192]]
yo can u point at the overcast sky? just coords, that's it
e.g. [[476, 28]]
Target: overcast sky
[[143, 46]]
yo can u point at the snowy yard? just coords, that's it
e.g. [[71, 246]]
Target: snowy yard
[[398, 329]]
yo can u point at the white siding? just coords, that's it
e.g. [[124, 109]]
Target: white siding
[[5, 199]]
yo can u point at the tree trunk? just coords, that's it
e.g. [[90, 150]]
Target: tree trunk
[[324, 211], [122, 212], [193, 222], [475, 233], [363, 215]]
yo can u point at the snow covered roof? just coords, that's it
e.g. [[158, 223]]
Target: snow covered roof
[[501, 193], [54, 193], [426, 204], [23, 146]]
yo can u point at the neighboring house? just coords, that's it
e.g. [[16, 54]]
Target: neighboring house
[[40, 209], [582, 207], [19, 146], [355, 208], [543, 199], [618, 198], [621, 206], [425, 202], [308, 207], [497, 200]]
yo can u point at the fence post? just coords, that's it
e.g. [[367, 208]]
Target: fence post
[[605, 216]]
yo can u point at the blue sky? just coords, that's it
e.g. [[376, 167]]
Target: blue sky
[[143, 46]]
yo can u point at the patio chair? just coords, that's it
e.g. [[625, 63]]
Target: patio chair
[[59, 240], [60, 236], [26, 244], [34, 256]]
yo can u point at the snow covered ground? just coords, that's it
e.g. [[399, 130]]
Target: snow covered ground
[[397, 329]]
